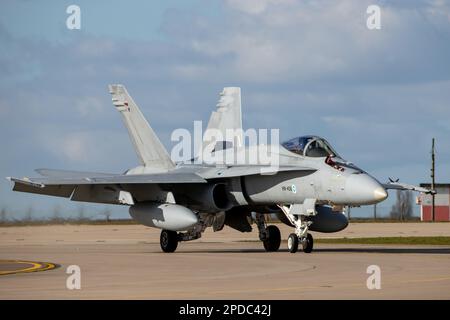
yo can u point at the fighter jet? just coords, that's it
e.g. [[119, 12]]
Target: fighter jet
[[307, 189]]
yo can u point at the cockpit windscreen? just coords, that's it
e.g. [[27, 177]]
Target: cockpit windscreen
[[310, 146]]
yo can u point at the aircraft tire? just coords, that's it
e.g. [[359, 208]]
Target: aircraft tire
[[273, 240], [308, 244], [292, 243], [168, 240]]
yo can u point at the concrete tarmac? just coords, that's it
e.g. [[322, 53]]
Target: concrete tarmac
[[125, 262]]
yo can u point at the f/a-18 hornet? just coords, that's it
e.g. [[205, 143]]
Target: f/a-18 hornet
[[307, 189]]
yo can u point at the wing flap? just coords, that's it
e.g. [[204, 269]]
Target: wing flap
[[102, 194], [56, 190]]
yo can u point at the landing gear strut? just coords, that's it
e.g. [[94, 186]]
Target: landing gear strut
[[301, 235], [270, 235]]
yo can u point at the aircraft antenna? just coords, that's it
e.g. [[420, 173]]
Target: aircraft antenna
[[432, 179]]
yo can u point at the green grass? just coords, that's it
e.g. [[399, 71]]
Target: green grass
[[389, 240]]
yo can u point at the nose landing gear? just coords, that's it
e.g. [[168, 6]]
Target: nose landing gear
[[301, 235], [307, 243], [292, 243]]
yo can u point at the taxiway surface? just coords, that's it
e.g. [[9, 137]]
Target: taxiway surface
[[125, 262]]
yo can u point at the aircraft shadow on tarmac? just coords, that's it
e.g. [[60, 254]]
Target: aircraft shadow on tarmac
[[433, 250]]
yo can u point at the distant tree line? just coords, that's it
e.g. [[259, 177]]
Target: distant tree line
[[58, 216], [403, 207]]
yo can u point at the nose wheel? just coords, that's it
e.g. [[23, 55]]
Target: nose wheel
[[293, 243], [300, 221], [307, 243]]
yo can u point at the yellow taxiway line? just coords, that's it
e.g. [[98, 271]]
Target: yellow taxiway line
[[35, 266]]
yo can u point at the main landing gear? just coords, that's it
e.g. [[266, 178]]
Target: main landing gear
[[301, 235], [168, 240], [269, 235]]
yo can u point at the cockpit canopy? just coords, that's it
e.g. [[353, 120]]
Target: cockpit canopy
[[310, 146]]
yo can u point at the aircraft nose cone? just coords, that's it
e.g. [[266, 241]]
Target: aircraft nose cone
[[363, 189], [380, 194]]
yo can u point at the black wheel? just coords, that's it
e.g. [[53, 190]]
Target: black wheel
[[308, 244], [273, 239], [168, 240], [293, 243]]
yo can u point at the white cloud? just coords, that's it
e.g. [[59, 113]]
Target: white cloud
[[318, 41], [75, 147], [90, 106], [256, 6]]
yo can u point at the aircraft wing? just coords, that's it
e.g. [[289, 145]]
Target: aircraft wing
[[112, 189], [404, 186], [111, 179], [121, 188], [73, 178], [69, 174]]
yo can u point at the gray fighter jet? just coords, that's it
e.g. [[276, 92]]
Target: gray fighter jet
[[307, 189]]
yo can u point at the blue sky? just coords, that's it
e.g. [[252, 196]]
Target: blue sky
[[306, 67]]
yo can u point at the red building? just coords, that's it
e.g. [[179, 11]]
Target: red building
[[441, 204]]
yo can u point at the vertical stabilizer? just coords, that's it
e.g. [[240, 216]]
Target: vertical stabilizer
[[149, 149], [227, 117]]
